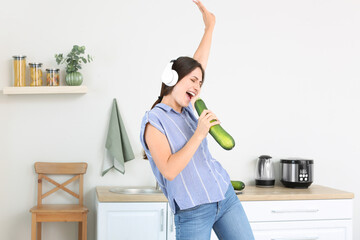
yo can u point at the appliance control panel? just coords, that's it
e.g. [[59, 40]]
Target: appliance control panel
[[303, 175]]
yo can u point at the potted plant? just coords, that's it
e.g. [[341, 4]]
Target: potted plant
[[73, 63]]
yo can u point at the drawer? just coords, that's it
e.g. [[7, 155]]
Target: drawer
[[260, 211], [303, 230]]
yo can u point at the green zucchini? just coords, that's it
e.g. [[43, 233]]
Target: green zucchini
[[238, 185], [224, 139]]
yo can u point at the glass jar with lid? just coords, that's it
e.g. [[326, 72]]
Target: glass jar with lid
[[35, 74], [52, 77], [19, 70]]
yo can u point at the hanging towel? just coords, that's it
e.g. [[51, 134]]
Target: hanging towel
[[117, 148]]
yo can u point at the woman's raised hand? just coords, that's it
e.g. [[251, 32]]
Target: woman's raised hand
[[208, 17], [205, 123]]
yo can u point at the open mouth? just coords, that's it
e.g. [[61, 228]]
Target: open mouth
[[190, 94]]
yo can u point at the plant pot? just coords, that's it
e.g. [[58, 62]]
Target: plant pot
[[74, 79]]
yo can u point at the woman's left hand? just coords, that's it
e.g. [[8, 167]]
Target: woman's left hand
[[208, 17]]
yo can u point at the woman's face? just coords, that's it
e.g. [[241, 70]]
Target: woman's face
[[187, 88]]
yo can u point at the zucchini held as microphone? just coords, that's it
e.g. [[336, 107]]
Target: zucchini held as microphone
[[224, 139]]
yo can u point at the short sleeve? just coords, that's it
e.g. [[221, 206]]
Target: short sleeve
[[152, 118]]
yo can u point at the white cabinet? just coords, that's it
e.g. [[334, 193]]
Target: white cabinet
[[304, 230], [274, 214], [131, 221], [300, 219]]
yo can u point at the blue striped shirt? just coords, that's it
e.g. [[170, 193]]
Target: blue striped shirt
[[203, 180]]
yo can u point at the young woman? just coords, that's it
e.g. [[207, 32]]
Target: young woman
[[198, 188]]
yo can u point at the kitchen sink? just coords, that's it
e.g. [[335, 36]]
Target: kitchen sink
[[135, 190]]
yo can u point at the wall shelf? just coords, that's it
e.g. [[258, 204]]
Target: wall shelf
[[45, 90]]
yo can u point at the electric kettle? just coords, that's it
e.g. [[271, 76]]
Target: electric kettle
[[264, 172]]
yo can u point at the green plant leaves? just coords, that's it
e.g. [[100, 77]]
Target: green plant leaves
[[73, 59], [89, 58], [59, 58]]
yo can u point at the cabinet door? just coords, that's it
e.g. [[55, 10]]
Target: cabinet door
[[304, 230], [131, 221]]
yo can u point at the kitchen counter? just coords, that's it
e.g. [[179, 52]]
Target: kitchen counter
[[250, 193]]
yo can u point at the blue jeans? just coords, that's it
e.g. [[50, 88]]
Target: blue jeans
[[227, 218]]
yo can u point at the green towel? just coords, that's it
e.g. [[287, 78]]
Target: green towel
[[117, 148]]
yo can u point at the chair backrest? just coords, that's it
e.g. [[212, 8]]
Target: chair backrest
[[48, 168]]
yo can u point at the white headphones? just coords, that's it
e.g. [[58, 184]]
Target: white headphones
[[169, 76]]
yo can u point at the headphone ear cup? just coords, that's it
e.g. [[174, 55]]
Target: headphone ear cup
[[174, 79], [169, 76]]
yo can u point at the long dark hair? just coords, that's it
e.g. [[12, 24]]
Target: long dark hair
[[183, 66]]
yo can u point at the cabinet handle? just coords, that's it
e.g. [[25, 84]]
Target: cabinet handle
[[162, 220], [172, 222], [301, 238], [295, 210]]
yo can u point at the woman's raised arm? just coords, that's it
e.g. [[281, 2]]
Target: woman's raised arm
[[203, 50]]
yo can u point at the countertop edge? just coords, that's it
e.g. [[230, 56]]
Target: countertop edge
[[251, 193], [292, 197]]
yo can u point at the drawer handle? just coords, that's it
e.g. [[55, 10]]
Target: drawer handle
[[295, 211], [302, 238]]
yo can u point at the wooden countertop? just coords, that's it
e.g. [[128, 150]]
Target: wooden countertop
[[314, 192], [250, 193]]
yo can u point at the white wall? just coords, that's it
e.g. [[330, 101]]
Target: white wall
[[283, 77]]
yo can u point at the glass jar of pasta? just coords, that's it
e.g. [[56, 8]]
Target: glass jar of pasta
[[52, 77], [35, 74], [19, 70]]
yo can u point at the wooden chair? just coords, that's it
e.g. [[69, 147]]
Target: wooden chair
[[59, 212]]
